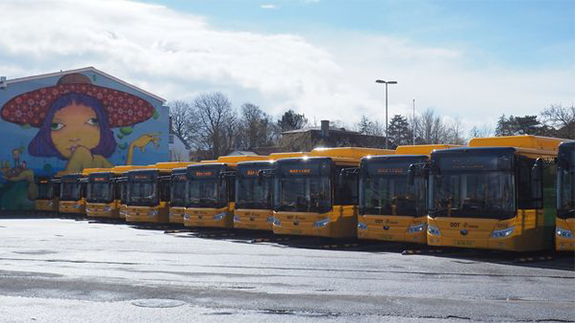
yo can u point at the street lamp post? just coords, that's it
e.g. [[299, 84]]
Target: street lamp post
[[386, 108]]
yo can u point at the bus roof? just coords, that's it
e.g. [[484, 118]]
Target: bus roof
[[529, 142], [233, 160], [421, 149], [88, 171], [533, 153], [172, 165], [353, 153], [276, 156]]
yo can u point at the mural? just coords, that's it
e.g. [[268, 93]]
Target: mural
[[70, 122]]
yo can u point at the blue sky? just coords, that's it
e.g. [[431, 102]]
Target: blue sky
[[467, 60], [511, 32]]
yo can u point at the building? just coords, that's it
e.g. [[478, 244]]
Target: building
[[72, 120], [308, 138], [179, 150]]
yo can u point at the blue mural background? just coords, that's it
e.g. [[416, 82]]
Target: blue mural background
[[19, 168]]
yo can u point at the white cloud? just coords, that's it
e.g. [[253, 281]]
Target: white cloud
[[268, 6], [179, 55]]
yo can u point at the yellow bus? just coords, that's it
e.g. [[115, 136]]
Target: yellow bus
[[393, 195], [178, 195], [316, 195], [253, 202], [47, 196], [565, 222], [254, 193], [499, 193], [210, 200], [103, 192], [148, 192]]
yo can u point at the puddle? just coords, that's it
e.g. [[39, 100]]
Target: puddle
[[158, 303]]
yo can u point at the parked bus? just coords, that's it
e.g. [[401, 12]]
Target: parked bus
[[47, 195], [393, 195], [178, 193], [254, 193], [210, 200], [148, 192], [565, 222], [316, 195], [72, 193], [103, 192], [499, 193]]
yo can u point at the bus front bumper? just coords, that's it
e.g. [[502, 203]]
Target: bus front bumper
[[208, 217], [341, 222], [102, 210], [392, 228], [46, 206], [565, 235], [254, 219], [525, 232], [177, 214], [75, 207], [146, 214]]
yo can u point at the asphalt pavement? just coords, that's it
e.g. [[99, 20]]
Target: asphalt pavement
[[78, 270]]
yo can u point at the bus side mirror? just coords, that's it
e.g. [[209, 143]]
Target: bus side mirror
[[411, 175]]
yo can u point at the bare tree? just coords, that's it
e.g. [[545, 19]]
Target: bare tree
[[561, 119], [215, 131], [480, 132], [454, 133], [370, 127], [429, 129], [256, 127], [181, 119]]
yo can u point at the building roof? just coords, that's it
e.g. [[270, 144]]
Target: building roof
[[80, 70], [318, 129]]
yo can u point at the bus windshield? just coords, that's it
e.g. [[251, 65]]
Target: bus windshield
[[472, 186], [253, 193], [99, 189], [45, 191], [71, 191], [209, 192], [303, 186], [178, 190], [143, 190], [392, 195]]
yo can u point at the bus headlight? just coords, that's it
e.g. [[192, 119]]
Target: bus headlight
[[434, 231], [236, 218], [321, 223], [153, 213], [219, 216], [270, 219], [564, 233], [277, 222], [504, 233], [418, 228], [361, 226]]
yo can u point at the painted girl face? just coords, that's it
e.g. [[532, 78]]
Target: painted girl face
[[74, 126]]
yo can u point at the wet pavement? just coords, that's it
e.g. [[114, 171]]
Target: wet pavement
[[83, 270]]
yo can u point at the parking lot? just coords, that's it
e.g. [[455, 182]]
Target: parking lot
[[84, 270]]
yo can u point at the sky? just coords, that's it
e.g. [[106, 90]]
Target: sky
[[467, 60]]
